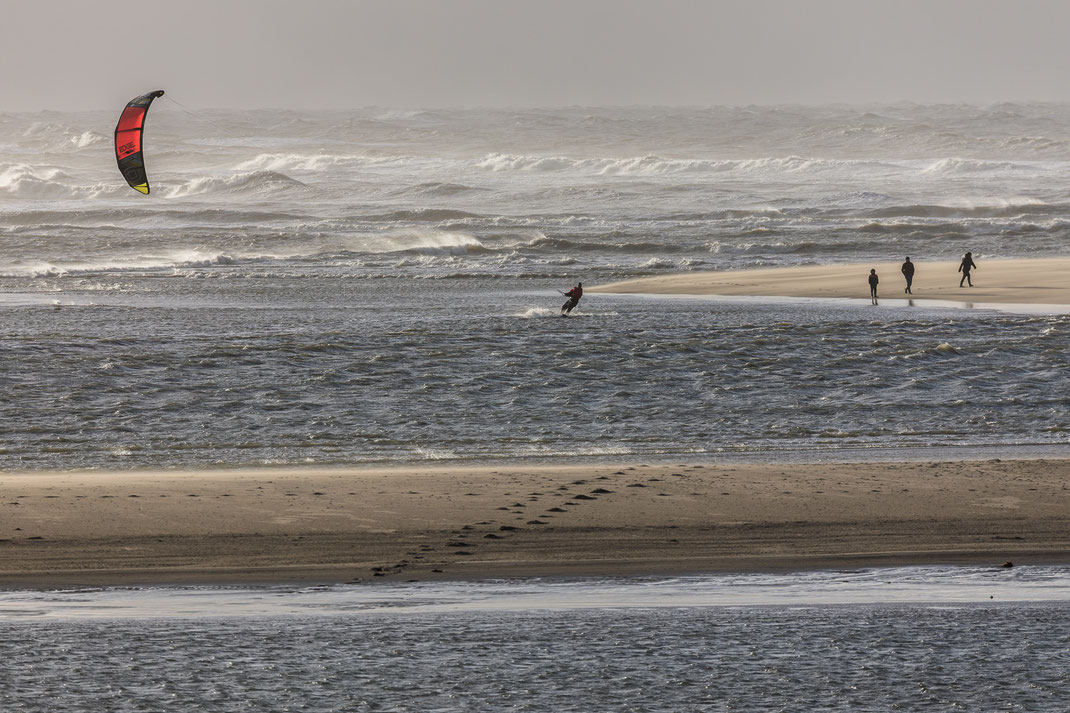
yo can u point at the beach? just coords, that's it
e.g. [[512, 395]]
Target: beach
[[351, 525], [1020, 281], [291, 418]]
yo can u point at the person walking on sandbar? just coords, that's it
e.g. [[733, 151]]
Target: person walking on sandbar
[[873, 280], [908, 272], [965, 266]]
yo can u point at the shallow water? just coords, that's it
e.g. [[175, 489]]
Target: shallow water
[[322, 371], [857, 640]]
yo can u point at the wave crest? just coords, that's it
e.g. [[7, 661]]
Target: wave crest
[[255, 182], [294, 162], [24, 181], [653, 165], [967, 166], [428, 242]]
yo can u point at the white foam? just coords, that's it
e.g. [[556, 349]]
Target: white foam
[[537, 313], [181, 258], [424, 241], [652, 165], [88, 138]]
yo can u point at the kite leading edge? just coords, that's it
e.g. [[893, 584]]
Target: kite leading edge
[[128, 141]]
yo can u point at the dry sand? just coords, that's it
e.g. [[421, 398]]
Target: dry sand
[[1020, 281], [348, 525]]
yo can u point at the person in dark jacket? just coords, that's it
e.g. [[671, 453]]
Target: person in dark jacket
[[908, 272], [873, 280], [574, 296], [965, 266]]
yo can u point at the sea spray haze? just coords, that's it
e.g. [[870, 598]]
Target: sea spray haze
[[379, 286]]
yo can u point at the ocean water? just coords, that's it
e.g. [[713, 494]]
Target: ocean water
[[971, 639], [380, 287]]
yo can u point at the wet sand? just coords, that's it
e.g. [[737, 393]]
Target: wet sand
[[286, 525], [1019, 281]]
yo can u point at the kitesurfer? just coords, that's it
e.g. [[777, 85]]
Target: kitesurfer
[[908, 272], [965, 266], [574, 296], [873, 280]]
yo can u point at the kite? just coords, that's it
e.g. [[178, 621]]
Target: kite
[[128, 141]]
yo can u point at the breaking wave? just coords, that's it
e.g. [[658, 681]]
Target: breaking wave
[[174, 259], [434, 188], [88, 138], [993, 209], [567, 245], [427, 242], [962, 166], [428, 215], [296, 162], [25, 181], [652, 165], [255, 182]]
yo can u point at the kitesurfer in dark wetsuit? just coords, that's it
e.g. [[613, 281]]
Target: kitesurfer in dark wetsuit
[[908, 272], [965, 266], [574, 296], [873, 280]]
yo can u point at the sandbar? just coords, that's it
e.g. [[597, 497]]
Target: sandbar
[[1026, 281], [365, 525]]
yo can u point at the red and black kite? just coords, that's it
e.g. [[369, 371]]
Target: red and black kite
[[128, 141]]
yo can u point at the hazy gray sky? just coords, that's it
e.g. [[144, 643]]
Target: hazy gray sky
[[423, 53]]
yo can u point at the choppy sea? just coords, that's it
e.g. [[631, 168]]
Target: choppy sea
[[381, 287]]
